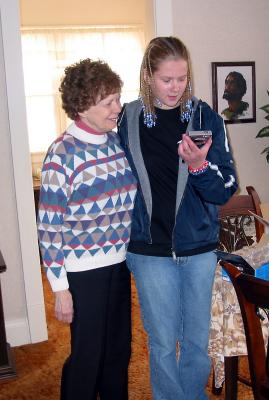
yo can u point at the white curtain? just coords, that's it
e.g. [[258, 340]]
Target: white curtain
[[46, 52]]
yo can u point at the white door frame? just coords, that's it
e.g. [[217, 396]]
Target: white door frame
[[163, 17], [10, 26]]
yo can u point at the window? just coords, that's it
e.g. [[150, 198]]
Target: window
[[46, 52]]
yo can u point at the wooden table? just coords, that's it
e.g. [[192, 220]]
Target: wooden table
[[227, 335]]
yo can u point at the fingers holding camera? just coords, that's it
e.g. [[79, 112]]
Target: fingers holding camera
[[193, 155]]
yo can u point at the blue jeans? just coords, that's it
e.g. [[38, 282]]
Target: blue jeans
[[175, 300]]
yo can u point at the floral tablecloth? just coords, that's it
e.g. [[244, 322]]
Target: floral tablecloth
[[227, 337]]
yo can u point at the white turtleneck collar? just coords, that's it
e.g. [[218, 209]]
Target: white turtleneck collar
[[86, 136]]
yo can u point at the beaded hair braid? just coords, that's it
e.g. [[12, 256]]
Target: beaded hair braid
[[159, 49]]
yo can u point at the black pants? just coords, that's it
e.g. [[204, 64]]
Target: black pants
[[100, 335]]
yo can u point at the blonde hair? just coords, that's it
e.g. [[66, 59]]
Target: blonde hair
[[158, 50]]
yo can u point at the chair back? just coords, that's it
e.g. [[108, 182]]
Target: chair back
[[236, 221], [253, 293]]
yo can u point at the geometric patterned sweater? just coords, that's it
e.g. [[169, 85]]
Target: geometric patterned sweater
[[86, 199]]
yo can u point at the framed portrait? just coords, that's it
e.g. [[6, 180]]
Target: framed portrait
[[234, 91]]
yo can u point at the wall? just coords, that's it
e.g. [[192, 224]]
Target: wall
[[234, 30]]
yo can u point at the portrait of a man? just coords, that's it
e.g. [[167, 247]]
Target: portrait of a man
[[234, 90]]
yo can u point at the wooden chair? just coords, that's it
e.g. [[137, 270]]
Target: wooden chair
[[235, 219], [235, 233], [252, 294]]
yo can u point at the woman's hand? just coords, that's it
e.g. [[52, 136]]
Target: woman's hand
[[64, 306], [194, 156]]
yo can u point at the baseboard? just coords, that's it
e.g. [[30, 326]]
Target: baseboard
[[17, 332]]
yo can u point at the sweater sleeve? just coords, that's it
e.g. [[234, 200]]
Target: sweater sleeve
[[52, 207]]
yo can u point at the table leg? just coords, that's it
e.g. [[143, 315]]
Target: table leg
[[231, 374], [216, 391]]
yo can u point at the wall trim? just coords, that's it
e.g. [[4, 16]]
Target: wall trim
[[10, 23], [163, 18], [17, 332]]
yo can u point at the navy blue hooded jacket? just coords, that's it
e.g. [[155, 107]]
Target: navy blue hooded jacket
[[196, 226]]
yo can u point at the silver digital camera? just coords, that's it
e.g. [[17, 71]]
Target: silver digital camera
[[200, 137]]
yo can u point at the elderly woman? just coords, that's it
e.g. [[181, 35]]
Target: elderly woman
[[86, 201]]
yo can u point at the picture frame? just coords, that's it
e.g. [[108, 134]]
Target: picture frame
[[234, 91]]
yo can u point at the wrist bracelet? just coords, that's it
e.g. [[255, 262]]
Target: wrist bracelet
[[199, 170]]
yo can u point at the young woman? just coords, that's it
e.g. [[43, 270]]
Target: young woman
[[175, 219], [86, 201]]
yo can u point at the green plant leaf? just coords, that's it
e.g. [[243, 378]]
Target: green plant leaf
[[266, 150], [264, 132], [265, 108]]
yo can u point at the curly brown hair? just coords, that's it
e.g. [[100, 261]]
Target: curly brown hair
[[86, 82]]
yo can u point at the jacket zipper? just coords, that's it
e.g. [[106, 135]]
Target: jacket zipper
[[172, 249]]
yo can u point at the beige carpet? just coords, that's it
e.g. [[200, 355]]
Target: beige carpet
[[39, 365]]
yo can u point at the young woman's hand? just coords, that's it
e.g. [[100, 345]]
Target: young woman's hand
[[64, 306], [194, 156]]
